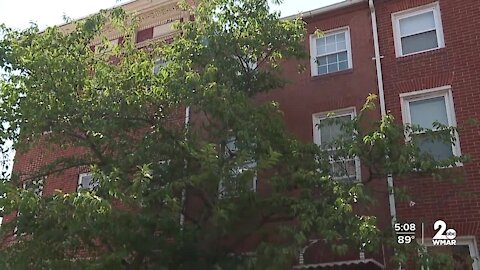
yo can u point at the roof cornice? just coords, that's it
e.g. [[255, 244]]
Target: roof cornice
[[314, 12]]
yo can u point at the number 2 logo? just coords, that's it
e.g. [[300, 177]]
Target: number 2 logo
[[442, 233], [440, 226]]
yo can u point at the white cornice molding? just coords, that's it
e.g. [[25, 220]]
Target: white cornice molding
[[150, 13]]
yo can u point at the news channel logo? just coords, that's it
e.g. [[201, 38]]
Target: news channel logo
[[444, 236]]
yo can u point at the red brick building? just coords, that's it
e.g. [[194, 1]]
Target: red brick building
[[430, 71], [422, 61]]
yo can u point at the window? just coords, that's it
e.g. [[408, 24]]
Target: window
[[331, 52], [35, 185], [327, 127], [232, 188], [86, 181], [158, 65], [464, 253], [423, 109], [418, 30], [110, 44], [163, 29]]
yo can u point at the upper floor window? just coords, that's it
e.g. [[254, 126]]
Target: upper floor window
[[158, 65], [34, 185], [328, 128], [331, 52], [86, 181], [108, 46], [425, 108], [163, 29], [418, 30], [233, 185]]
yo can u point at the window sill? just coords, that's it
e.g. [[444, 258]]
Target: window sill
[[338, 73], [407, 57]]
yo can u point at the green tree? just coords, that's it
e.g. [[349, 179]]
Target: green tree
[[169, 195]]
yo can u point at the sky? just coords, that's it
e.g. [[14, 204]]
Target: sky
[[19, 13]]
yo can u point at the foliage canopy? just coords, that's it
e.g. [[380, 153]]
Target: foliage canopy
[[158, 204]]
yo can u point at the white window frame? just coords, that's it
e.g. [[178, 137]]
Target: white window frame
[[163, 29], [24, 185], [111, 43], [469, 241], [224, 194], [79, 182], [446, 93], [160, 63], [250, 165], [317, 139], [397, 16], [313, 49]]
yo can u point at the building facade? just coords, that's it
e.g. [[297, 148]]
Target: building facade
[[430, 73], [419, 56]]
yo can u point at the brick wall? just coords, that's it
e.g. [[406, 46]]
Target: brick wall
[[456, 65], [306, 95]]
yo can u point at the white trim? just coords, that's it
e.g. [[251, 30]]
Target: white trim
[[443, 91], [158, 64], [331, 264], [249, 165], [41, 182], [224, 194], [108, 46], [469, 241], [397, 16], [79, 182], [163, 29], [313, 49], [317, 117]]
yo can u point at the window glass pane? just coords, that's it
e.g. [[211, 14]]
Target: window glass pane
[[340, 37], [332, 43], [460, 254], [231, 147], [420, 42], [322, 70], [322, 60], [341, 42], [417, 24], [342, 56], [343, 168], [332, 58], [331, 129], [425, 112], [36, 186], [332, 68], [331, 48], [438, 149], [343, 65], [321, 49], [330, 39], [233, 186], [86, 181], [158, 65]]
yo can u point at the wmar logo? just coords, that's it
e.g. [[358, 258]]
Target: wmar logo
[[444, 236]]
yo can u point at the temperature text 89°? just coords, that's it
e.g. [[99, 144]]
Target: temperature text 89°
[[405, 239]]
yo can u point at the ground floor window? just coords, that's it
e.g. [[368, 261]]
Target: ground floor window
[[464, 253]]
